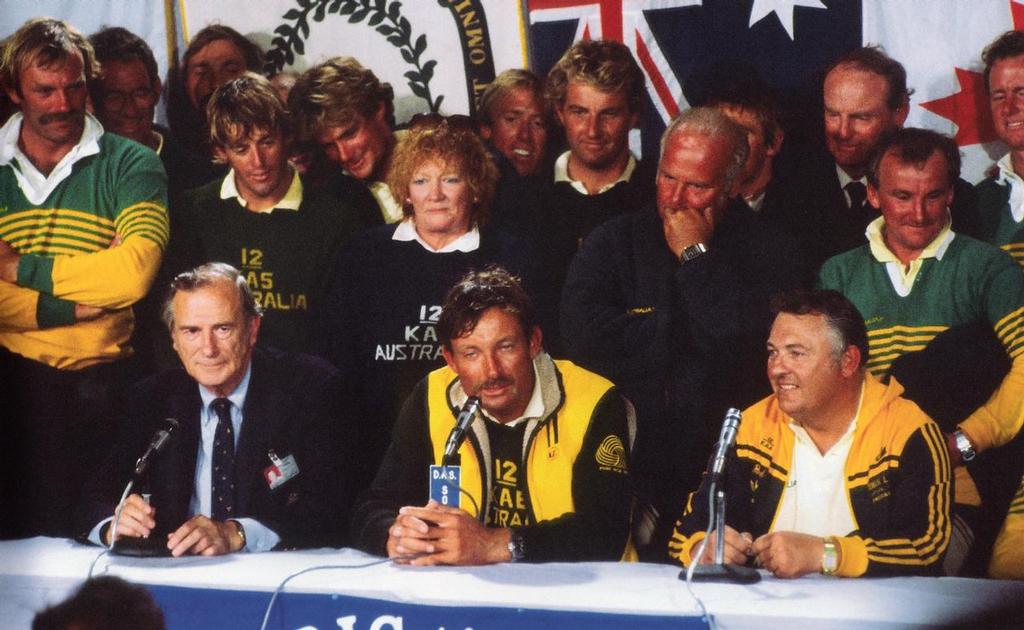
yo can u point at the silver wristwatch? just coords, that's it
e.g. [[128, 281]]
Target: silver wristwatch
[[515, 547], [692, 251], [963, 444]]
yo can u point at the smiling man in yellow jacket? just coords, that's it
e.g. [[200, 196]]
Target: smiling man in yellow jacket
[[834, 472]]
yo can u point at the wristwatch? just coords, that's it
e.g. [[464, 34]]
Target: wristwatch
[[830, 557], [692, 251], [963, 444], [241, 532], [515, 547]]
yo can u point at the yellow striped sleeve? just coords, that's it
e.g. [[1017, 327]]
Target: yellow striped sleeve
[[923, 550]]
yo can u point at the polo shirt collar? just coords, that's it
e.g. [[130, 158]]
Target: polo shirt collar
[[562, 174], [903, 277], [468, 242], [36, 186], [291, 201], [1007, 177]]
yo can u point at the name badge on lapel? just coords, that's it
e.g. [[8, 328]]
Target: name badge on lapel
[[281, 469]]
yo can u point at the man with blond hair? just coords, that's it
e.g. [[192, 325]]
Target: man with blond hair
[[83, 226], [597, 93], [344, 109], [262, 217]]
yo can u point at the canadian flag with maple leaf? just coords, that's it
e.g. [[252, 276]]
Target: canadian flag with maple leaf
[[789, 43]]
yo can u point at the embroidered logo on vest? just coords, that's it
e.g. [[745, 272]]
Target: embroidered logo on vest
[[611, 455]]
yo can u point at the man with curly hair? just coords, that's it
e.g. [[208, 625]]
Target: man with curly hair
[[345, 112]]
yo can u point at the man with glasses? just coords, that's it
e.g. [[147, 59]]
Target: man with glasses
[[125, 95]]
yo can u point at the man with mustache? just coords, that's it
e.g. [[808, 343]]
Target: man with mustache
[[262, 217], [544, 472], [83, 227]]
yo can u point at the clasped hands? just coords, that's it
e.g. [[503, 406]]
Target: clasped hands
[[785, 554], [199, 535], [439, 534]]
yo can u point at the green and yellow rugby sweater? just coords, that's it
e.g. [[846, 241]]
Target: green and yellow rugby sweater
[[897, 477], [969, 281], [998, 225], [67, 257]]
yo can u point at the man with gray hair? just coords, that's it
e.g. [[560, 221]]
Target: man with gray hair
[[256, 462], [671, 304]]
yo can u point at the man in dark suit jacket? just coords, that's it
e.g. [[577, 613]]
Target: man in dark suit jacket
[[866, 99], [256, 462]]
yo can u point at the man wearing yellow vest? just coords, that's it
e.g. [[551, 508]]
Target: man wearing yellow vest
[[544, 472]]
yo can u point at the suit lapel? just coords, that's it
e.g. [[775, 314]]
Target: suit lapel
[[263, 409]]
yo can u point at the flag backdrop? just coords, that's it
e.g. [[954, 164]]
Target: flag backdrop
[[438, 54], [789, 43]]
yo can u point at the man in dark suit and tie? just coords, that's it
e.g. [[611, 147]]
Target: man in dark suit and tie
[[866, 98], [256, 463]]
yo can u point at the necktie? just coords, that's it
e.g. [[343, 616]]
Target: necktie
[[223, 477], [858, 193]]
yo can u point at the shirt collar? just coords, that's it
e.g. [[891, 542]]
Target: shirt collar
[[36, 186], [936, 249], [291, 201], [534, 408], [801, 432], [1007, 177], [468, 242], [562, 174], [844, 178], [389, 206], [236, 397], [903, 276]]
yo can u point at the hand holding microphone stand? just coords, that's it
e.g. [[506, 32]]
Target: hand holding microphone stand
[[142, 547], [719, 571]]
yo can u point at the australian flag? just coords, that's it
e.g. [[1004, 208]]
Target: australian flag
[[685, 45]]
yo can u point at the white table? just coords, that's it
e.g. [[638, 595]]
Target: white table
[[41, 571]]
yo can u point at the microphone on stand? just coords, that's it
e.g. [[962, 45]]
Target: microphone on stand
[[142, 547], [719, 571], [157, 444], [458, 434]]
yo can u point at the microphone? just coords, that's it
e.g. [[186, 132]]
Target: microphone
[[157, 444], [458, 434], [725, 440]]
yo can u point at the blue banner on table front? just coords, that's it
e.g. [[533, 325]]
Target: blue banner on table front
[[192, 608]]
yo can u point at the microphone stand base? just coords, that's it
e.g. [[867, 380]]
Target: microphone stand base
[[730, 573], [140, 548]]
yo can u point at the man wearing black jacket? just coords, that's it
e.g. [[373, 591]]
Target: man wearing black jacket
[[256, 462], [671, 303]]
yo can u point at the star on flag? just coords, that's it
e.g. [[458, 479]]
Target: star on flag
[[783, 9]]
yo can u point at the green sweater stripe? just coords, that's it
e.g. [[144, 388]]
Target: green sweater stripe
[[150, 224], [973, 282]]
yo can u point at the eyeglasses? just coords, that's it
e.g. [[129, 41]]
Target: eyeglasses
[[115, 101], [455, 122]]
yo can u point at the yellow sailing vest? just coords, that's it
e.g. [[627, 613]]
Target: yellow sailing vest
[[553, 447]]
